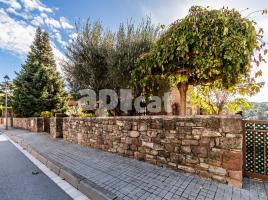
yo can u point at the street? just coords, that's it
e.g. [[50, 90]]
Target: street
[[20, 179]]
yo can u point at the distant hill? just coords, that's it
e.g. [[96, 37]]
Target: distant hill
[[266, 103], [258, 111]]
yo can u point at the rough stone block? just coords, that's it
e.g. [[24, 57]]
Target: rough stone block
[[186, 149], [190, 142], [238, 175], [134, 134], [217, 170], [148, 144], [186, 168], [221, 179], [232, 160], [209, 133], [232, 125]]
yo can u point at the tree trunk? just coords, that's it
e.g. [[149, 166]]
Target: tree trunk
[[183, 87]]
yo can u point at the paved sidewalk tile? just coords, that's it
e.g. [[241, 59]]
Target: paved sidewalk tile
[[132, 179]]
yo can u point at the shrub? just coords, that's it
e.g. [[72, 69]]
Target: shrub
[[46, 114]]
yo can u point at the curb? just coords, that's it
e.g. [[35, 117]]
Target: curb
[[88, 188]]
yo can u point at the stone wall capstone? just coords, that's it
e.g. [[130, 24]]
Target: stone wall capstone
[[210, 146]]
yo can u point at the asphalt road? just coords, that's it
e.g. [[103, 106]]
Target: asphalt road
[[19, 180]]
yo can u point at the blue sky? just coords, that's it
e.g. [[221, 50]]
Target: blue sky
[[19, 19]]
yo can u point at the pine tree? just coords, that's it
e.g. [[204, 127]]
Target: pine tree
[[38, 86]]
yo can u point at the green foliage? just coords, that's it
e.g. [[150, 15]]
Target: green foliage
[[205, 46], [86, 66], [99, 59], [46, 114], [130, 43], [215, 99], [38, 86], [74, 111], [83, 114], [238, 105], [77, 111]]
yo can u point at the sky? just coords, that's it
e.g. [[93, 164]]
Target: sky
[[19, 19]]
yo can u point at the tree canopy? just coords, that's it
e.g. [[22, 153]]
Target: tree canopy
[[207, 45], [214, 99], [38, 86], [99, 58]]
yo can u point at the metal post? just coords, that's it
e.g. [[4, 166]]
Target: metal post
[[6, 112]]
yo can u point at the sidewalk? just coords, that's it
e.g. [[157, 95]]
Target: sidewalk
[[118, 177]]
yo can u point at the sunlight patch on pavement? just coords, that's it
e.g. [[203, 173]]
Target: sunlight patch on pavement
[[3, 138]]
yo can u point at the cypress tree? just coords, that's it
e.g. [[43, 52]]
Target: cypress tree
[[38, 86]]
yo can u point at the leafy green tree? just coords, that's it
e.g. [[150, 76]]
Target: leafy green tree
[[99, 58], [205, 46], [10, 88], [38, 86], [2, 95], [130, 42], [88, 56], [215, 99]]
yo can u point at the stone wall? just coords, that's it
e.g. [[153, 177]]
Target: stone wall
[[56, 126], [34, 124], [38, 124], [210, 146], [47, 125], [3, 121]]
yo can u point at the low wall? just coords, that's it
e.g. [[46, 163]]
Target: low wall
[[210, 146], [34, 124], [56, 126], [53, 125], [3, 121]]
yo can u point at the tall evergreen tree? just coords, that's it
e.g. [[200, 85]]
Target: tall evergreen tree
[[38, 86]]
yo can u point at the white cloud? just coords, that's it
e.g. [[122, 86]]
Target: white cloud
[[65, 24], [31, 5], [59, 39], [72, 37], [16, 36], [16, 40], [20, 14], [53, 23], [12, 3], [38, 21]]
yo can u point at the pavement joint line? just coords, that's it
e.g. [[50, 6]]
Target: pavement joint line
[[85, 186], [64, 185]]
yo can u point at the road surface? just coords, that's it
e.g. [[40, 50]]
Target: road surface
[[20, 179]]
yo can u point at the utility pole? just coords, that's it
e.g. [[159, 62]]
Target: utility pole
[[6, 91]]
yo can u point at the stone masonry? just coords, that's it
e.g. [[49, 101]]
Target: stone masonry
[[210, 146], [33, 124], [56, 124]]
